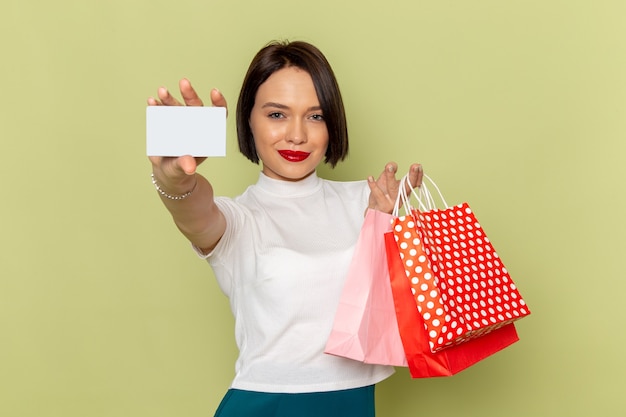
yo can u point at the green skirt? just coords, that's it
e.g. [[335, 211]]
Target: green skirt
[[357, 402]]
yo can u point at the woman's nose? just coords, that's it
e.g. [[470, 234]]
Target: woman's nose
[[296, 132]]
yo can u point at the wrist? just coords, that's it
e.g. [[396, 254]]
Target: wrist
[[171, 193]]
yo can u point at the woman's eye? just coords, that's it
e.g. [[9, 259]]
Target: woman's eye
[[275, 115], [318, 117]]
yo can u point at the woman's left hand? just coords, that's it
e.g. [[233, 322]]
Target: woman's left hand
[[384, 190]]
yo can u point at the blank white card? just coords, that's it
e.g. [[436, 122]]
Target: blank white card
[[185, 130]]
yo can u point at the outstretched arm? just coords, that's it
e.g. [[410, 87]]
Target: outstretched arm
[[187, 195]]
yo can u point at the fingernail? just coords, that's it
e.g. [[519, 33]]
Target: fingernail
[[370, 178]]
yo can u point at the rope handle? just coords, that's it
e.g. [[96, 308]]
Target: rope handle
[[423, 196]]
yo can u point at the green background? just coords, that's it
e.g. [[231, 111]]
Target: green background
[[517, 107]]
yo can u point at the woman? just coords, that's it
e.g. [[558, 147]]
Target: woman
[[280, 250]]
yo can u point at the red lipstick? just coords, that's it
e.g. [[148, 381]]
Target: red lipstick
[[294, 156]]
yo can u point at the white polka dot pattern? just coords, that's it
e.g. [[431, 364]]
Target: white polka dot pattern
[[461, 287]]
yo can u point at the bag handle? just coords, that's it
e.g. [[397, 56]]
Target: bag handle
[[403, 199], [423, 196], [427, 195]]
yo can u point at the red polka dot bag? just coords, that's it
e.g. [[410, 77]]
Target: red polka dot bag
[[462, 291]]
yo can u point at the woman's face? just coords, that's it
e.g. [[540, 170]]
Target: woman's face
[[289, 130]]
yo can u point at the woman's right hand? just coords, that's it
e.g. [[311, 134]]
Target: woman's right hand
[[176, 174]]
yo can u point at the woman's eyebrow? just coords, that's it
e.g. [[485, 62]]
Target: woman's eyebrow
[[285, 107]]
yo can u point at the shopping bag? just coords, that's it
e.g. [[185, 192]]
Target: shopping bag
[[365, 326], [461, 288], [422, 280], [422, 362]]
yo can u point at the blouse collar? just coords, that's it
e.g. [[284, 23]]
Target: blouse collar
[[305, 186]]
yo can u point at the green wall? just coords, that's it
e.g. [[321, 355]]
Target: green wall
[[518, 107]]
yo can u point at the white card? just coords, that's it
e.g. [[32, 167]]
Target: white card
[[185, 130]]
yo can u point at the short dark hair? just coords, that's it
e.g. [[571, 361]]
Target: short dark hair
[[282, 54]]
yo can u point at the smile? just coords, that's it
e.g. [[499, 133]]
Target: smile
[[294, 156]]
